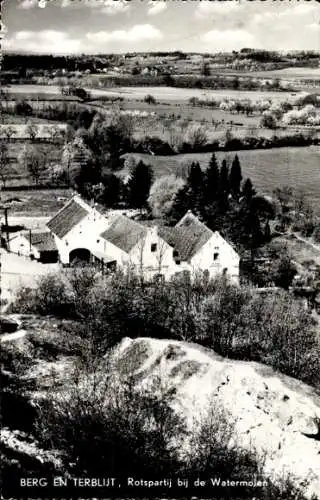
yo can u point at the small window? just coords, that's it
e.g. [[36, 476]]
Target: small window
[[178, 262], [98, 241], [215, 255], [175, 253], [153, 247]]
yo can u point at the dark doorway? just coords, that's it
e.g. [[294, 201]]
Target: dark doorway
[[80, 257], [49, 256]]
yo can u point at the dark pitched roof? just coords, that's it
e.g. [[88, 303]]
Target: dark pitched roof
[[42, 241], [124, 233], [189, 219], [187, 240], [189, 236], [68, 217]]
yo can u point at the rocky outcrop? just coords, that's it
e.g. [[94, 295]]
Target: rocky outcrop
[[24, 449], [275, 415]]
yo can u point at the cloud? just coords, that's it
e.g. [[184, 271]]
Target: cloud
[[313, 26], [53, 41], [28, 4], [137, 33], [109, 7], [283, 16], [206, 9], [218, 40], [156, 7], [303, 9], [113, 7]]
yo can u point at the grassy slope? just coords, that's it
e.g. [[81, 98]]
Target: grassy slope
[[268, 169], [39, 202]]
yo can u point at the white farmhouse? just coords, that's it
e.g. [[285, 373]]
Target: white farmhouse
[[36, 245], [138, 248], [76, 229], [197, 248], [82, 232]]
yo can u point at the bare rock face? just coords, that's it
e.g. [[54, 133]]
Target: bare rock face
[[275, 415]]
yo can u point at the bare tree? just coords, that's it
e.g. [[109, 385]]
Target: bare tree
[[34, 161], [138, 267], [161, 250], [4, 163], [196, 135], [32, 131], [9, 132], [55, 133]]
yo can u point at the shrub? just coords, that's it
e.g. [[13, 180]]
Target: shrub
[[274, 329], [196, 136], [316, 234], [215, 451], [278, 331], [51, 296], [162, 194], [268, 120], [23, 108], [102, 424], [150, 99]]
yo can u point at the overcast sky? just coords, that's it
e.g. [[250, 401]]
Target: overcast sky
[[101, 26]]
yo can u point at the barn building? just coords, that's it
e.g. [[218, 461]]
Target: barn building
[[36, 245], [82, 234]]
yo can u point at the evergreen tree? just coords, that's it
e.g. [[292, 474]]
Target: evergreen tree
[[285, 273], [248, 191], [195, 188], [235, 177], [253, 229], [267, 232], [112, 190], [139, 185], [224, 179], [211, 180], [87, 176], [195, 179], [246, 228], [181, 204], [224, 186]]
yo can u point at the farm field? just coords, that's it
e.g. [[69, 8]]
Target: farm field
[[291, 73], [268, 169], [301, 73], [33, 204], [13, 119], [168, 93], [18, 173]]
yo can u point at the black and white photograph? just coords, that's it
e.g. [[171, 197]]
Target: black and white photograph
[[160, 249]]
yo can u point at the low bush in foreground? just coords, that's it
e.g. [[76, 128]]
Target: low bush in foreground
[[236, 322], [103, 426]]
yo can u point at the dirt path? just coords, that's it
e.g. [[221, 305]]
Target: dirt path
[[307, 242]]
